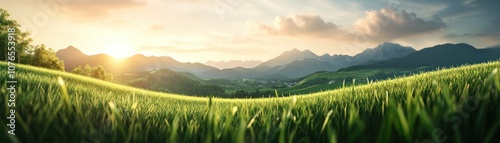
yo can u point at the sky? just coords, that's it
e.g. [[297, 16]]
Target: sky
[[222, 30]]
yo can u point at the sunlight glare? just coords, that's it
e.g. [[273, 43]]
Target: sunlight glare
[[119, 50]]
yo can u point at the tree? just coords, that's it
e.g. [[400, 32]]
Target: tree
[[240, 94], [21, 39], [78, 70], [25, 53], [95, 72], [101, 74], [43, 57]]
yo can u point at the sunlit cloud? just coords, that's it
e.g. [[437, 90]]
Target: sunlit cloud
[[298, 25], [389, 23], [84, 10], [386, 24], [157, 27]]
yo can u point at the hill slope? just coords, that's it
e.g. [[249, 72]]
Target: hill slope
[[79, 109], [169, 81]]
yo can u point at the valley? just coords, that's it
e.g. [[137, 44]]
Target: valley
[[291, 73]]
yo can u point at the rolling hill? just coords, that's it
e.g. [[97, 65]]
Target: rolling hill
[[57, 107], [322, 81], [165, 80]]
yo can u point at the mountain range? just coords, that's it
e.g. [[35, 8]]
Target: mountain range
[[73, 57], [445, 55], [290, 64], [233, 64], [296, 63], [442, 56]]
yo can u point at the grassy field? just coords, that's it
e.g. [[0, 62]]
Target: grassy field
[[452, 105]]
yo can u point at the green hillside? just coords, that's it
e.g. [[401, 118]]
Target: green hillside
[[165, 80], [453, 105], [322, 81]]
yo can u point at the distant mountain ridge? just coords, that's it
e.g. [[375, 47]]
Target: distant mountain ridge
[[233, 64], [444, 55], [169, 81], [296, 63], [384, 51], [73, 57], [288, 57], [289, 64]]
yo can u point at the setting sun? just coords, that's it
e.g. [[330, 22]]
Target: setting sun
[[119, 50]]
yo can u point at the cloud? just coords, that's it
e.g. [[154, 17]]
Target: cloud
[[213, 49], [389, 24], [489, 37], [383, 25], [91, 9], [465, 8], [309, 25], [157, 27], [453, 35]]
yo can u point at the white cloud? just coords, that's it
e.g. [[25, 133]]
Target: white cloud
[[305, 25], [388, 24]]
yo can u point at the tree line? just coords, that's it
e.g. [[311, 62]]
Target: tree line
[[38, 55], [25, 51], [97, 72], [251, 94]]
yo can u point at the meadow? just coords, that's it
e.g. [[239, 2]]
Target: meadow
[[449, 105]]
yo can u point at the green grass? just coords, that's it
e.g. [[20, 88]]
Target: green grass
[[454, 105]]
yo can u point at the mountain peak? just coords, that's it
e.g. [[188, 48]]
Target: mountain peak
[[233, 63], [71, 56], [138, 56], [70, 47], [325, 55], [290, 56], [384, 51], [295, 50], [70, 51], [389, 46], [297, 53], [388, 43]]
